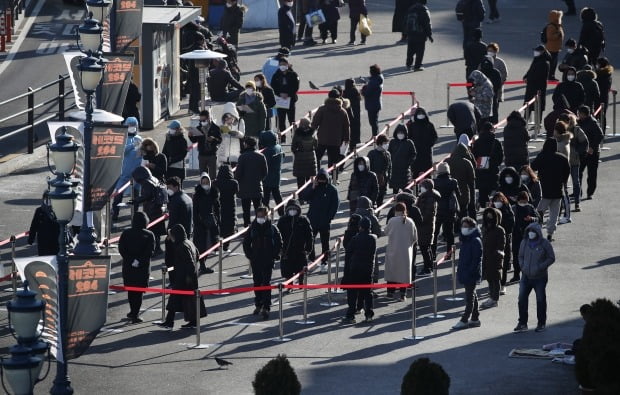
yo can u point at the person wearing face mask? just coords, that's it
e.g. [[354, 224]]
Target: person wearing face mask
[[285, 84], [576, 56], [208, 136], [529, 178], [180, 206], [252, 110], [571, 90], [44, 228], [422, 132], [427, 202], [131, 160], [465, 117], [493, 244], [469, 271], [524, 214], [489, 155], [149, 189], [303, 147], [262, 246], [372, 92], [297, 240], [535, 256], [403, 154], [515, 141], [331, 122], [250, 173], [494, 76], [269, 98], [500, 202], [153, 160], [381, 165], [232, 129], [510, 184], [461, 164], [232, 21], [175, 149], [228, 188], [536, 78], [363, 183], [402, 239], [592, 93], [286, 24], [275, 157], [447, 208], [553, 37], [207, 219], [499, 64]]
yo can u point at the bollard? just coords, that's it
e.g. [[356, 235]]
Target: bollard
[[614, 93], [447, 125], [305, 321], [336, 281], [9, 24], [13, 267], [335, 175], [163, 295], [435, 315], [281, 337], [329, 302], [454, 298], [413, 316]]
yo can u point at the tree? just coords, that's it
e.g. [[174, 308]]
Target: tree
[[277, 377]]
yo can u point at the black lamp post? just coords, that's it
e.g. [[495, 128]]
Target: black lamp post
[[62, 198]]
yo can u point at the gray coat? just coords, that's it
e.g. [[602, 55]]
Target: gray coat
[[535, 260]]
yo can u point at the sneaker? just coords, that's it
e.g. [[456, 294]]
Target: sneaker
[[489, 303], [540, 328], [323, 268], [165, 325], [418, 69], [565, 220], [425, 272], [369, 317], [408, 68], [502, 291], [520, 328], [348, 320], [460, 325], [474, 324], [205, 270], [577, 208], [265, 314], [189, 325], [136, 320], [351, 43], [334, 41], [588, 198]]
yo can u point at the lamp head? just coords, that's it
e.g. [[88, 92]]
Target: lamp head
[[63, 152], [25, 312], [89, 34], [62, 198], [91, 72]]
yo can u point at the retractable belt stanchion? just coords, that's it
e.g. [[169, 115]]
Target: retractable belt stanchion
[[329, 302], [435, 290], [336, 280], [220, 261], [613, 111], [13, 267], [163, 295], [447, 125], [108, 225], [197, 322], [453, 298], [305, 321], [133, 196], [281, 337], [413, 316], [537, 118]]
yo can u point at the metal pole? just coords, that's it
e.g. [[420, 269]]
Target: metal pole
[[220, 260], [453, 259], [614, 93], [163, 295], [281, 337], [133, 196], [329, 302], [305, 321], [447, 125], [30, 119], [108, 224], [197, 295], [61, 98], [13, 267], [435, 315], [336, 281], [413, 316], [537, 115]]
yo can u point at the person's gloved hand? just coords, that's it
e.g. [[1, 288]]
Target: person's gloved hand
[[135, 263]]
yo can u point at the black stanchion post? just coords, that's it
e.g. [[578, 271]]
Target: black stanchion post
[[133, 196], [108, 226], [413, 316], [305, 321], [447, 125], [614, 93], [281, 337], [13, 267], [163, 295]]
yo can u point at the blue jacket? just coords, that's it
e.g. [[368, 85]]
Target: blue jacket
[[372, 93], [323, 201], [274, 156], [469, 270], [131, 160]]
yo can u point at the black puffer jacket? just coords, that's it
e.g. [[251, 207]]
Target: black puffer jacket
[[175, 149], [571, 90], [412, 211], [515, 141], [251, 170], [304, 146], [180, 211], [427, 203], [446, 186], [381, 165], [587, 79], [262, 244], [205, 147], [206, 214], [137, 243], [44, 227], [488, 145], [511, 191], [297, 240], [403, 155], [424, 136], [360, 258], [228, 188], [493, 241], [363, 183], [553, 170], [462, 169], [148, 192]]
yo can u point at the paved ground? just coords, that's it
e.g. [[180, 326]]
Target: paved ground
[[328, 357]]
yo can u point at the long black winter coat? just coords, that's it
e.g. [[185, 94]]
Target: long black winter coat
[[303, 147], [44, 227], [403, 153], [592, 36], [286, 26], [515, 141], [511, 191], [228, 188], [323, 203], [446, 186], [250, 172], [520, 214], [427, 203], [355, 99], [360, 258], [508, 219], [572, 91], [137, 243], [604, 79], [399, 19], [593, 131], [285, 83], [488, 145], [363, 183], [464, 116], [175, 149], [424, 136], [180, 211], [536, 77], [262, 244], [381, 165], [148, 192], [297, 243], [206, 216], [553, 170], [185, 256]]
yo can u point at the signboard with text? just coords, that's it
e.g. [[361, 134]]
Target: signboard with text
[[116, 79], [106, 162]]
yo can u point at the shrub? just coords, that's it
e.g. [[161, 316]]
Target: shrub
[[277, 377], [425, 378]]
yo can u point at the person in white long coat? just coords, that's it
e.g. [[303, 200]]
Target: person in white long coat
[[402, 237], [233, 130]]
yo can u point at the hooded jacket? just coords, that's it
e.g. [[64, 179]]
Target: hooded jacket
[[524, 215], [554, 32], [604, 78], [303, 147], [403, 154], [592, 129], [288, 82], [297, 240], [332, 123], [463, 172], [592, 94], [488, 69], [228, 188], [148, 192], [515, 141], [274, 157], [578, 145], [360, 256], [137, 244], [424, 136], [206, 206], [488, 145], [536, 78], [185, 256], [511, 191], [560, 106], [592, 35], [448, 188], [372, 93], [381, 164], [464, 116], [255, 120], [553, 170], [175, 149], [250, 172], [363, 183], [413, 212], [44, 227], [482, 93], [469, 269], [535, 256], [427, 203], [493, 242], [323, 202], [262, 244], [131, 160], [571, 90], [364, 209], [219, 80], [180, 211]]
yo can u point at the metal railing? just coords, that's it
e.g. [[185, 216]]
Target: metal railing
[[58, 98]]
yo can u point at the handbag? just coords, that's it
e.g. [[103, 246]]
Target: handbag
[[314, 18], [364, 25]]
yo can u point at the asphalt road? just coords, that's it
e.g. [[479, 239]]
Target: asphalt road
[[328, 357]]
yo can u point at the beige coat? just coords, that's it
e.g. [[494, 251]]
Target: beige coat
[[399, 250]]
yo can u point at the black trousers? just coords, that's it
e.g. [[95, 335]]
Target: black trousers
[[447, 224], [333, 154], [329, 27], [415, 48], [553, 64], [324, 234], [135, 302], [301, 181], [494, 13], [591, 163], [373, 120], [283, 114], [287, 40], [468, 36], [507, 258], [427, 255], [261, 275], [352, 298], [495, 116], [245, 205], [277, 197], [354, 21], [517, 237], [471, 304]]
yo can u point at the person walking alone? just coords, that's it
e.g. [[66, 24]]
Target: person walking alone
[[419, 29]]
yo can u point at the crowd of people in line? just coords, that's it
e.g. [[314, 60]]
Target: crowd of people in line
[[496, 211]]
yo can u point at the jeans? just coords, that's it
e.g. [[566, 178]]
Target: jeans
[[352, 298], [575, 176], [415, 47], [373, 120], [539, 286], [261, 275], [471, 303], [554, 212], [565, 203], [324, 234], [507, 258], [245, 205], [590, 162], [277, 197]]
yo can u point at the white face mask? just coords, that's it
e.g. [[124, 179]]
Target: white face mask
[[261, 220], [570, 50], [498, 204], [422, 189], [361, 167], [283, 68], [132, 130], [399, 213], [385, 146], [467, 231], [570, 77], [292, 212], [509, 180], [206, 187], [170, 192], [229, 5], [490, 53], [525, 177], [421, 116], [172, 132], [532, 235], [289, 3], [400, 136], [522, 204], [258, 83], [249, 91], [536, 53]]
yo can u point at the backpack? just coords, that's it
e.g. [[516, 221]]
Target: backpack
[[543, 35], [161, 195], [460, 9], [413, 22]]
